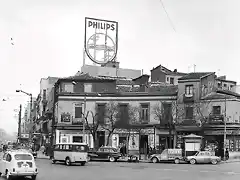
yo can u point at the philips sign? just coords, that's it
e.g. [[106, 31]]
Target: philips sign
[[101, 40]]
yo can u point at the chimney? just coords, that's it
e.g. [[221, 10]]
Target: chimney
[[175, 70]]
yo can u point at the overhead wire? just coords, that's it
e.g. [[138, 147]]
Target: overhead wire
[[165, 10]]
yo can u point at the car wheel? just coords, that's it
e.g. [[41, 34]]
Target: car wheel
[[8, 176], [214, 161], [83, 163], [53, 160], [89, 158], [155, 160], [177, 161], [111, 159], [193, 161], [0, 174], [34, 177], [67, 161]]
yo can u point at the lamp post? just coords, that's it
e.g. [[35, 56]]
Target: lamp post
[[30, 108]]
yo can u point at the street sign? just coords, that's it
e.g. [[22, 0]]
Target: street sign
[[101, 40]]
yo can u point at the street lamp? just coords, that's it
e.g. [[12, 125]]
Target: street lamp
[[30, 108]]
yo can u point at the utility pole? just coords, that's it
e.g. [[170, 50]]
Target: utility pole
[[19, 122], [225, 128]]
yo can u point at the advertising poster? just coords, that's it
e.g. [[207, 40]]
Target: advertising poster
[[115, 140], [134, 142]]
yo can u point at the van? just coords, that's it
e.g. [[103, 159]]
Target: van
[[70, 153], [170, 155]]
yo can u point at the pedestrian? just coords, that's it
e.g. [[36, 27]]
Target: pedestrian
[[227, 154]]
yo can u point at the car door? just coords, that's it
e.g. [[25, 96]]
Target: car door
[[8, 161], [101, 153], [56, 152], [200, 157], [207, 158]]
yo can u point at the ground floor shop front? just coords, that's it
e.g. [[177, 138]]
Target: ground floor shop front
[[137, 140]]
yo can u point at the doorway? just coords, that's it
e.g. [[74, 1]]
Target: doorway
[[144, 144], [101, 138]]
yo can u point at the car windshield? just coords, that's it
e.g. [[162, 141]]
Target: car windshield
[[80, 148], [23, 157]]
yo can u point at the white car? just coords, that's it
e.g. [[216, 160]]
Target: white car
[[18, 163]]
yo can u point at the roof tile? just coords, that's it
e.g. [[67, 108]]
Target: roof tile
[[195, 76]]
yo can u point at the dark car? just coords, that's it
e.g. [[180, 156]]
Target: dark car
[[104, 153]]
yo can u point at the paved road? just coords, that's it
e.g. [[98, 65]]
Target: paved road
[[137, 171]]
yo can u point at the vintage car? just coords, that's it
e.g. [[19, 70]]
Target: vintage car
[[170, 155], [104, 153], [203, 157], [18, 163]]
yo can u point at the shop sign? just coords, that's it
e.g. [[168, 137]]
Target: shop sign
[[228, 132], [216, 119]]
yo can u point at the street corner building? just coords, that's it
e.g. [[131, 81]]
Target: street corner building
[[108, 111]]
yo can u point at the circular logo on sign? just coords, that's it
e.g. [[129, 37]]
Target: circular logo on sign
[[101, 48]]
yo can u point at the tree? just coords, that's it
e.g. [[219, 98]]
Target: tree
[[93, 127], [167, 113], [111, 117]]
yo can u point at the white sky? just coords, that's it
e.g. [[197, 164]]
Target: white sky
[[49, 35]]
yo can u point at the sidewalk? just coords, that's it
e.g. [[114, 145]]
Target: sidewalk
[[40, 155]]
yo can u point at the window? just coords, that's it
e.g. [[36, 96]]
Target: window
[[8, 158], [44, 94], [216, 110], [124, 114], [22, 157], [78, 110], [101, 113], [144, 112], [189, 90], [167, 79], [171, 80], [87, 87], [219, 85], [67, 87], [167, 113], [77, 139], [231, 86], [189, 112]]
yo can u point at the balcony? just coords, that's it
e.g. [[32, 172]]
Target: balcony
[[216, 119], [77, 121], [187, 98]]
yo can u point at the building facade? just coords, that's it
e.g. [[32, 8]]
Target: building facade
[[136, 112], [204, 106]]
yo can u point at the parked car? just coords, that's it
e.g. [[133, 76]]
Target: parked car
[[104, 153], [171, 155], [203, 157], [18, 163]]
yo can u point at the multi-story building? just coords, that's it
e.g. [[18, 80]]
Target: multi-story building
[[204, 106], [42, 124], [132, 104], [166, 76], [224, 84]]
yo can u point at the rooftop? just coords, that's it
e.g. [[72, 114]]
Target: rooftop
[[195, 75]]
